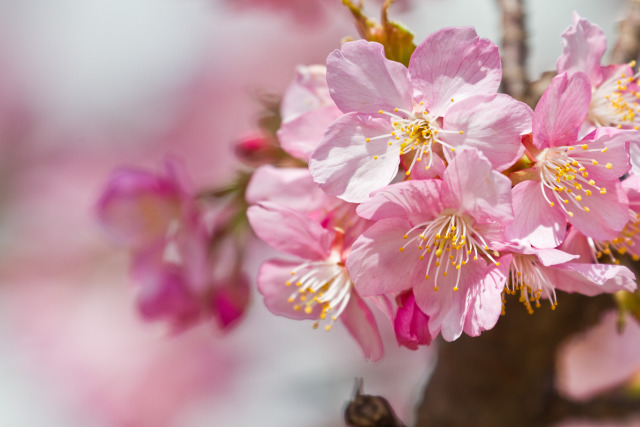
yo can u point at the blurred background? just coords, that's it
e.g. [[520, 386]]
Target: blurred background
[[89, 85]]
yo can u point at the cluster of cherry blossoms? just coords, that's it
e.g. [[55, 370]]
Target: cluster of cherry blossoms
[[431, 197], [417, 192]]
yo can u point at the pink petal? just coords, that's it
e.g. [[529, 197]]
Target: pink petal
[[419, 171], [290, 231], [535, 222], [549, 257], [616, 153], [454, 63], [593, 279], [359, 321], [230, 301], [608, 213], [492, 124], [301, 135], [485, 300], [362, 79], [272, 279], [376, 264], [308, 92], [631, 187], [471, 185], [446, 308], [415, 201], [561, 111], [411, 325], [292, 187], [600, 359], [583, 45], [577, 244], [345, 165]]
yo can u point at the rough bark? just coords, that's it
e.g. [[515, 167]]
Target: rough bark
[[505, 377]]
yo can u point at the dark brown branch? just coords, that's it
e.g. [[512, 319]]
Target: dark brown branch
[[514, 49], [628, 45], [505, 377]]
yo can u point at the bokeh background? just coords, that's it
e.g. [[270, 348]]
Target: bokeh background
[[89, 85]]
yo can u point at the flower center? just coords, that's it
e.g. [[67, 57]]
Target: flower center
[[413, 133], [613, 104], [527, 278], [563, 171], [324, 286], [448, 242]]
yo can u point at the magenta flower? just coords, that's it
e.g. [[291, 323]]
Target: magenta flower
[[572, 179], [318, 287], [614, 88], [435, 237], [185, 269], [410, 324], [446, 99]]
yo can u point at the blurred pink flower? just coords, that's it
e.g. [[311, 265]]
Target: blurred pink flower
[[599, 359]]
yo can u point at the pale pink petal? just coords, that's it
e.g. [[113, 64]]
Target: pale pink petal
[[549, 257], [376, 264], [359, 321], [363, 80], [593, 279], [272, 279], [608, 213], [577, 244], [454, 63], [346, 166], [485, 299], [420, 171], [583, 45], [292, 187], [600, 359], [301, 135], [410, 324], [535, 222], [631, 187], [492, 124], [445, 307], [290, 231], [561, 111], [308, 92], [616, 154], [470, 185], [415, 201]]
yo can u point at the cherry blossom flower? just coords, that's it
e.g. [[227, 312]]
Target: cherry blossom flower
[[446, 99], [318, 287], [614, 87], [571, 179], [435, 237], [535, 274]]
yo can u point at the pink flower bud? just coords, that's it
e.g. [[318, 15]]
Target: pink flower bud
[[411, 324]]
